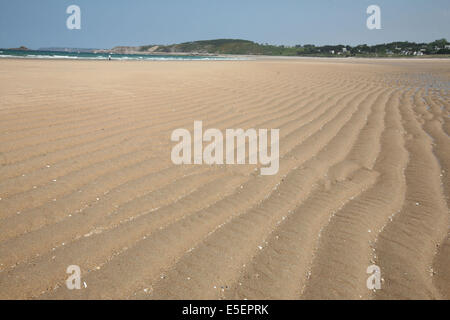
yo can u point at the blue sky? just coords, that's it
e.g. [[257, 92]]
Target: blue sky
[[107, 23]]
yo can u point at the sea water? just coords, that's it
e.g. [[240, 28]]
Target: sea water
[[37, 54]]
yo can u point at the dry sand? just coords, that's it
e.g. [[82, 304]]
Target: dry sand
[[86, 179]]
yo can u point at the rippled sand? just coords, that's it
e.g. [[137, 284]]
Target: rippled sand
[[86, 179]]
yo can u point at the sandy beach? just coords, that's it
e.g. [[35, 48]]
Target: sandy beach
[[86, 179]]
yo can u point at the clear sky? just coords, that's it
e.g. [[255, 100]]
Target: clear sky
[[107, 23]]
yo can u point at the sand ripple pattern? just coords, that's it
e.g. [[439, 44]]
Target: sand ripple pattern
[[86, 179]]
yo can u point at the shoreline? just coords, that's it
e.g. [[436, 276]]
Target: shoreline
[[182, 56], [233, 58]]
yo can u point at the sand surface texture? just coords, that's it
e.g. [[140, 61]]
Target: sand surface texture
[[86, 179]]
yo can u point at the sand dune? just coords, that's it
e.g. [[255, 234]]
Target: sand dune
[[86, 179]]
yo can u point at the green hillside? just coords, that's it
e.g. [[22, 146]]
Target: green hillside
[[223, 46], [238, 46]]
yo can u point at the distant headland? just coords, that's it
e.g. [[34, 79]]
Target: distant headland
[[246, 47], [21, 48]]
